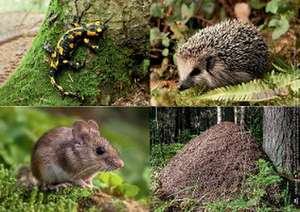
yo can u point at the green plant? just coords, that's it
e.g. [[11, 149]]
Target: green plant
[[171, 20], [161, 154], [184, 205], [185, 136], [254, 192], [115, 184], [281, 13]]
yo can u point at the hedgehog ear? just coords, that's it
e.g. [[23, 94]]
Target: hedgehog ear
[[80, 131], [210, 63]]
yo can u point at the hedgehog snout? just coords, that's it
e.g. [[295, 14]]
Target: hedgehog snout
[[183, 85]]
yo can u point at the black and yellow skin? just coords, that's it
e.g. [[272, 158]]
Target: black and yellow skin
[[60, 56]]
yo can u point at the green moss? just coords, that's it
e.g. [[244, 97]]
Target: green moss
[[16, 198], [106, 73]]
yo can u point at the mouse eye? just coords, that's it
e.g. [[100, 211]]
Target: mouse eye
[[195, 72], [100, 150]]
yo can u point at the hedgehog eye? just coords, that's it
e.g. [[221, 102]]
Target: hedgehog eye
[[100, 150], [195, 72]]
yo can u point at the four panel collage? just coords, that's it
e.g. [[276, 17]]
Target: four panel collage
[[149, 105]]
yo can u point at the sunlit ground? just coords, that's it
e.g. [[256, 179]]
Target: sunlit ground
[[39, 6]]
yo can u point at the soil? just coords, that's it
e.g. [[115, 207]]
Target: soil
[[17, 32], [212, 166], [109, 203]]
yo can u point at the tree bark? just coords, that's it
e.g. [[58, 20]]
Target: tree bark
[[219, 115], [242, 111], [236, 112], [107, 75], [281, 143]]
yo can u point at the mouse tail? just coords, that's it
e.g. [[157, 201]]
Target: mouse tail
[[26, 179]]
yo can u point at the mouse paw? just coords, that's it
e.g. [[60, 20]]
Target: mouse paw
[[83, 184]]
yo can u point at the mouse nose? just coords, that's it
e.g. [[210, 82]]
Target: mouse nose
[[119, 163]]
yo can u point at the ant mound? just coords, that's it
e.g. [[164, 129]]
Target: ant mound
[[212, 166]]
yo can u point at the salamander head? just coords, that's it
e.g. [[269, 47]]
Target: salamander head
[[96, 28]]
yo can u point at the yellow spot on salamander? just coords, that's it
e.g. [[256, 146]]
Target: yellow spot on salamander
[[86, 40], [78, 33], [71, 45], [90, 33], [99, 30], [71, 36], [53, 54], [56, 64], [52, 65], [61, 51], [65, 61]]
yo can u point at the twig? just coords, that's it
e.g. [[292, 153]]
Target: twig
[[168, 14], [227, 8]]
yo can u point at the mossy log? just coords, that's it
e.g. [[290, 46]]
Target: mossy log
[[108, 75]]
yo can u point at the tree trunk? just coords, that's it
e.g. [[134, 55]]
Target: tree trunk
[[282, 145], [242, 113], [106, 76], [219, 115], [236, 112]]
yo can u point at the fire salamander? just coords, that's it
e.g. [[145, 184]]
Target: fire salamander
[[60, 56]]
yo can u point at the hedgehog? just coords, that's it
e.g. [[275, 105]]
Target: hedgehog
[[227, 53]]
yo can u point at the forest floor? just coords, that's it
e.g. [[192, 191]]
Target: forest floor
[[17, 32], [227, 172]]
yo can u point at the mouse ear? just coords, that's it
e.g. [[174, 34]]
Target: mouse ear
[[80, 130], [93, 125]]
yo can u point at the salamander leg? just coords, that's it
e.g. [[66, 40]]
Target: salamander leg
[[93, 47], [76, 66]]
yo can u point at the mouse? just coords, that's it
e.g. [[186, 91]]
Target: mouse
[[72, 156]]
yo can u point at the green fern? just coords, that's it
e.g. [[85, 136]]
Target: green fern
[[240, 93], [275, 86]]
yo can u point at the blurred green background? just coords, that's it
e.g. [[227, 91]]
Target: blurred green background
[[24, 5], [125, 128]]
